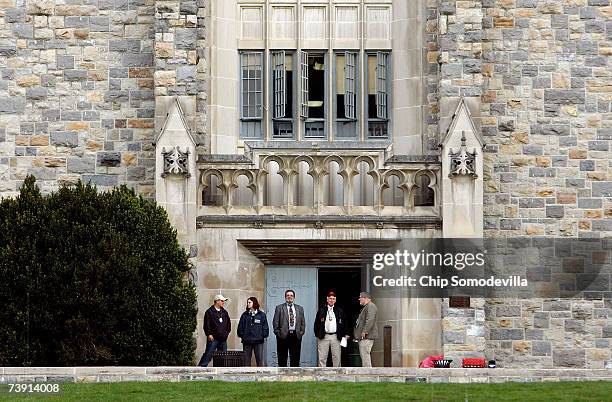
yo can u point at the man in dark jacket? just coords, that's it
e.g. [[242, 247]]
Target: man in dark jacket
[[217, 327], [330, 328]]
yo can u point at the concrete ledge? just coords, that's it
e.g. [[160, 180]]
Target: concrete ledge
[[346, 374]]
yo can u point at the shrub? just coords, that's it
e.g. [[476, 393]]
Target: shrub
[[92, 278]]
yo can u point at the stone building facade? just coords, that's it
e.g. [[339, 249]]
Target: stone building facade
[[105, 90]]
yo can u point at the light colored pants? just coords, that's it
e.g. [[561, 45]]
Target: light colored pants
[[323, 345], [365, 347]]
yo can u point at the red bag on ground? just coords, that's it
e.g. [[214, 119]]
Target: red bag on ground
[[429, 361], [471, 362]]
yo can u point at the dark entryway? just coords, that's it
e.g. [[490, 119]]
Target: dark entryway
[[346, 282]]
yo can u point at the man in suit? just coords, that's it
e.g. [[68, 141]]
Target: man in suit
[[330, 328], [289, 327], [366, 329]]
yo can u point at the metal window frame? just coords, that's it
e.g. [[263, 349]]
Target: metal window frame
[[279, 87], [386, 89], [382, 71], [304, 84], [350, 85], [258, 106]]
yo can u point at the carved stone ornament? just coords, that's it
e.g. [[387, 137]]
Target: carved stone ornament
[[463, 162], [175, 162]]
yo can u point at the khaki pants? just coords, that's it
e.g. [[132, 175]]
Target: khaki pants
[[323, 345], [365, 347]]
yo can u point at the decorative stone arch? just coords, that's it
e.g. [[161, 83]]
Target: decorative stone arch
[[404, 180], [431, 187]]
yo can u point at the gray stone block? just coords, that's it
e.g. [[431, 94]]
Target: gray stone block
[[65, 139], [569, 357], [65, 62], [115, 72], [472, 36], [604, 134], [109, 159], [136, 173], [25, 31], [12, 15], [531, 203], [454, 337], [595, 27], [585, 47], [602, 224], [101, 180], [36, 93], [574, 183], [91, 115], [188, 7], [533, 149], [598, 146], [71, 115], [555, 211], [81, 165], [587, 165], [76, 22], [602, 189], [13, 104], [75, 75], [121, 96], [589, 203], [124, 45], [185, 38], [564, 96], [186, 73], [508, 311], [550, 129], [137, 60], [541, 348], [99, 24], [510, 224], [506, 334]]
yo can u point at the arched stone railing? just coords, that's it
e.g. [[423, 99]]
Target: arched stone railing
[[256, 166]]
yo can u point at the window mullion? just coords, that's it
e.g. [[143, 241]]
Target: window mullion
[[304, 81]]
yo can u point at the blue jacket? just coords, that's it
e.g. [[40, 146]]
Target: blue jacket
[[253, 328]]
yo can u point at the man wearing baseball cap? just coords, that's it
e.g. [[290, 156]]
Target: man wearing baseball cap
[[366, 329], [217, 327]]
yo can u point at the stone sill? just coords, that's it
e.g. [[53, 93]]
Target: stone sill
[[349, 374]]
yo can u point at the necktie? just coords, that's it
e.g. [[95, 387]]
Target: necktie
[[291, 317]]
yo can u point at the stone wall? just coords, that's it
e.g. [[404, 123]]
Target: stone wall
[[76, 93], [545, 105], [547, 117]]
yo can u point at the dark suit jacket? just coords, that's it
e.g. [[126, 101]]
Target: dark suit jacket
[[280, 322], [319, 324]]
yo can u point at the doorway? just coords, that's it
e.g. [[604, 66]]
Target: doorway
[[311, 284], [346, 282]]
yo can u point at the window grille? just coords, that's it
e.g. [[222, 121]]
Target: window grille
[[251, 86], [350, 85], [280, 90], [381, 84], [304, 89]]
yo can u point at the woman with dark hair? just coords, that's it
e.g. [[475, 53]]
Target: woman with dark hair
[[253, 329]]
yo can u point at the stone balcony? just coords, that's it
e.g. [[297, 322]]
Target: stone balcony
[[319, 182]]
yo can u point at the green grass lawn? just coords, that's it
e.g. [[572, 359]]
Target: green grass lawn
[[329, 391]]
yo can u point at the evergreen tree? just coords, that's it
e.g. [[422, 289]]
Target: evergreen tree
[[92, 278]]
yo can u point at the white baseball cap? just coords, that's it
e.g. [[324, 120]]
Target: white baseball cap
[[220, 297]]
